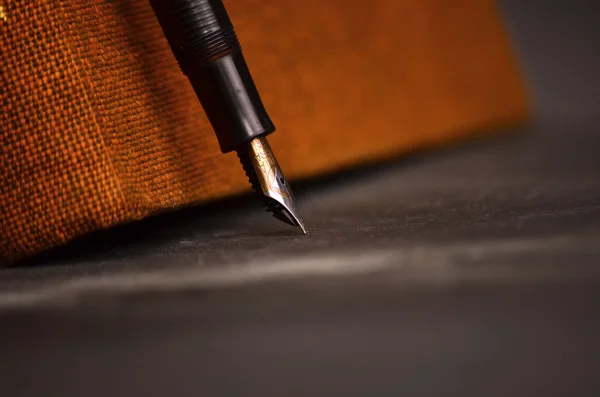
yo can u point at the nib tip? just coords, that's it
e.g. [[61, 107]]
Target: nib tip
[[267, 178], [302, 227]]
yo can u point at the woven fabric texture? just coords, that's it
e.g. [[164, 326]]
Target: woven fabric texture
[[99, 127]]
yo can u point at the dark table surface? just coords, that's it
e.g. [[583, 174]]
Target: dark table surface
[[469, 271], [473, 271]]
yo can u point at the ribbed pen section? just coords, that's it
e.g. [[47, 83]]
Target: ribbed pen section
[[198, 31]]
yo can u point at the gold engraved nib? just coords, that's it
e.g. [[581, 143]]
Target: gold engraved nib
[[266, 177]]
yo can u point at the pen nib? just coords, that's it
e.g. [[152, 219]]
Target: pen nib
[[266, 177]]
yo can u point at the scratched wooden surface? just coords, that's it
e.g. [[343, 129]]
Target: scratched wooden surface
[[456, 273]]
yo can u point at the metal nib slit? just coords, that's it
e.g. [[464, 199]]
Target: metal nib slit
[[266, 177]]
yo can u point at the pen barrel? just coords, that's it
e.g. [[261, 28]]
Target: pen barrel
[[203, 40], [198, 31]]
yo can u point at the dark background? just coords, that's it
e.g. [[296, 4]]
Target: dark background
[[470, 271], [557, 42]]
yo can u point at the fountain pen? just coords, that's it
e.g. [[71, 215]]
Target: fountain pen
[[203, 41]]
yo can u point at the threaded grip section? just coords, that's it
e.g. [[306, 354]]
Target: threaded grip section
[[198, 31]]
